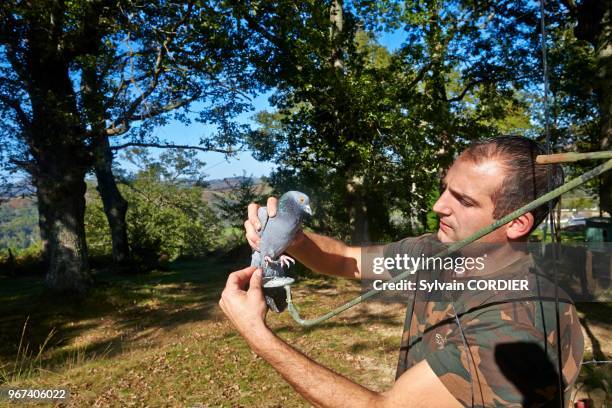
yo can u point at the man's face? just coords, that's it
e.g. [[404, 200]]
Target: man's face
[[465, 204]]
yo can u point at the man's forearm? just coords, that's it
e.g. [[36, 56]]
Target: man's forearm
[[319, 385], [326, 255]]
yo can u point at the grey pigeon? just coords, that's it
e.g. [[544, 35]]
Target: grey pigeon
[[276, 234]]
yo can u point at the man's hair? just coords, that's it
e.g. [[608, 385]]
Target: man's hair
[[524, 180]]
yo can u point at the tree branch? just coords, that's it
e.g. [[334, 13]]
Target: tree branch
[[419, 76], [165, 108], [122, 85], [142, 53], [24, 164], [173, 146], [10, 37], [122, 124], [475, 82], [270, 37], [87, 39], [124, 127], [21, 115], [571, 6], [160, 202], [467, 88]]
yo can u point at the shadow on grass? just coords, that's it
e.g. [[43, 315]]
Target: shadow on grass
[[385, 346], [122, 309], [596, 311], [596, 376]]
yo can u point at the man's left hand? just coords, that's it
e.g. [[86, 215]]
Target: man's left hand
[[243, 303]]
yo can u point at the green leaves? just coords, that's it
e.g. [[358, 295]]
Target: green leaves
[[167, 215], [368, 140], [233, 205]]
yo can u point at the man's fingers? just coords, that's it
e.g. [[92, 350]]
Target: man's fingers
[[251, 234], [238, 280], [271, 205], [255, 283], [252, 214], [252, 209]]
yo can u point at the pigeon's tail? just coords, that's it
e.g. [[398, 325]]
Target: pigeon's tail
[[275, 296]]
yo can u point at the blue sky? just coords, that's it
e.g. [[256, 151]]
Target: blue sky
[[217, 167]]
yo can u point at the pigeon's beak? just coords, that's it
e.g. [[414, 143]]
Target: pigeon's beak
[[307, 209]]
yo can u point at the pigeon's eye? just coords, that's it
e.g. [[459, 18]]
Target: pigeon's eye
[[301, 199]]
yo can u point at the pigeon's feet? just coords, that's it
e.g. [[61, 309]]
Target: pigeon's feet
[[284, 260]]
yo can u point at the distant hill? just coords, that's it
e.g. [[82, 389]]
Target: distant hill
[[19, 215], [228, 183], [224, 186], [26, 190]]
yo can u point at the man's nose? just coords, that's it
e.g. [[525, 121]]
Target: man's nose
[[441, 206]]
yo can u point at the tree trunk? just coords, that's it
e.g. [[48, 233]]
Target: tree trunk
[[595, 26], [58, 143], [61, 206], [115, 206], [605, 190], [360, 233], [605, 124], [45, 234], [604, 98], [358, 212], [336, 20]]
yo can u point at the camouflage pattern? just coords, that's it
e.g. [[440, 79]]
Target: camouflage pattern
[[511, 354]]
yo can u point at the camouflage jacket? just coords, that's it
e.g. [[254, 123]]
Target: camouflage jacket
[[490, 350]]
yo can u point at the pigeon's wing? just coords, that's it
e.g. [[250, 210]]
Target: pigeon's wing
[[256, 258], [278, 234]]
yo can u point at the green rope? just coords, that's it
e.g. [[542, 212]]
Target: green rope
[[457, 246], [572, 157]]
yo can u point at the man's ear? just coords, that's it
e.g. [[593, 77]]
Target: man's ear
[[520, 227]]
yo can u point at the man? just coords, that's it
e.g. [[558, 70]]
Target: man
[[448, 358]]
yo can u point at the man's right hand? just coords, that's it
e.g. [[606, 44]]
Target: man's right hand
[[252, 224]]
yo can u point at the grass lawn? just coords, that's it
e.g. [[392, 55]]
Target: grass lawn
[[160, 339]]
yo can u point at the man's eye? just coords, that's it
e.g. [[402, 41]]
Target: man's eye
[[465, 203]]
